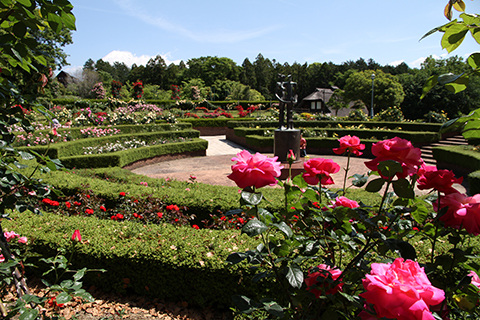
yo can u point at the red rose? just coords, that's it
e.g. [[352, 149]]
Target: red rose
[[119, 216], [316, 283], [122, 194], [255, 170], [160, 215], [195, 227], [68, 204], [399, 150], [350, 144], [463, 212], [89, 211], [319, 169], [173, 207], [441, 180], [102, 208]]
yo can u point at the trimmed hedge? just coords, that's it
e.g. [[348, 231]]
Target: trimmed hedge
[[214, 123], [406, 126], [203, 200], [126, 157], [161, 261], [71, 148]]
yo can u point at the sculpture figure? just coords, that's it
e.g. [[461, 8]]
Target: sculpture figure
[[286, 94]]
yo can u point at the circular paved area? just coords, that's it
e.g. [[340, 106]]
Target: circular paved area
[[216, 166]]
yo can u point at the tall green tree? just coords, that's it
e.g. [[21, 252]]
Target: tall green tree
[[388, 92], [155, 71], [211, 68]]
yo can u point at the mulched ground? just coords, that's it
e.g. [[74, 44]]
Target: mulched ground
[[114, 307]]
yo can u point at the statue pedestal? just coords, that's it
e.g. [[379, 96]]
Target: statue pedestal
[[284, 141], [297, 168]]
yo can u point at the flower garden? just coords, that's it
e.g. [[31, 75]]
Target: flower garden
[[292, 248], [301, 251]]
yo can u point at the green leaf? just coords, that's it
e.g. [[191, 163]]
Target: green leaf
[[273, 308], [454, 36], [29, 314], [79, 274], [420, 213], [389, 168], [243, 303], [26, 155], [19, 29], [375, 185], [282, 226], [429, 84], [458, 85], [474, 60], [68, 20], [295, 276], [25, 3], [63, 297], [251, 198], [85, 296], [403, 189], [359, 180], [254, 227]]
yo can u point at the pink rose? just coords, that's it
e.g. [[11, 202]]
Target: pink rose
[[319, 169], [324, 271], [475, 279], [254, 170], [399, 150], [441, 180], [22, 240], [345, 202], [10, 235], [350, 144], [463, 211], [401, 290]]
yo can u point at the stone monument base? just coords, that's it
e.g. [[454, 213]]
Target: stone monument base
[[297, 168], [284, 141]]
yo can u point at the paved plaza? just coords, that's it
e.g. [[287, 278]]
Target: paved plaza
[[214, 168]]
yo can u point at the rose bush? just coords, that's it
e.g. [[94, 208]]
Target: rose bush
[[328, 257]]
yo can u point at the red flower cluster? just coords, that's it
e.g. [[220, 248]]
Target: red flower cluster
[[51, 202], [52, 303], [89, 211], [122, 194], [173, 207], [118, 216], [102, 208]]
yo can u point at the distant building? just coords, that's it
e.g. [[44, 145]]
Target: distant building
[[317, 101], [65, 79]]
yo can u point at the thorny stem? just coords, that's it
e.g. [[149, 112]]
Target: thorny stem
[[434, 242], [346, 173]]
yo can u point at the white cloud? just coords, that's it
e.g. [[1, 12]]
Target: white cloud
[[129, 58], [396, 63], [419, 61]]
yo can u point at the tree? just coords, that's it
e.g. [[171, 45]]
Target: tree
[[210, 69], [89, 65], [155, 71], [23, 64], [266, 77], [247, 75], [51, 43], [388, 92], [338, 101]]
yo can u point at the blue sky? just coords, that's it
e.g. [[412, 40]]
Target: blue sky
[[133, 31]]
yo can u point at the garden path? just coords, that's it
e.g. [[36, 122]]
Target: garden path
[[214, 168]]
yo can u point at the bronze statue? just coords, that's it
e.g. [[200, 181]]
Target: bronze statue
[[286, 88]]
